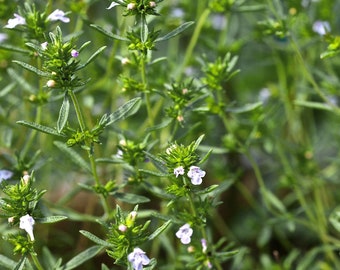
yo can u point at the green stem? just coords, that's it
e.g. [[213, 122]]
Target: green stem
[[89, 148], [36, 261], [193, 41]]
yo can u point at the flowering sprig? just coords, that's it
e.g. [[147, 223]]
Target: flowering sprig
[[34, 23], [138, 258], [125, 234], [135, 7], [22, 199], [184, 234]]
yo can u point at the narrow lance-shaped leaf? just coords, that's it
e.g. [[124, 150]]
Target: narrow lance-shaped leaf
[[82, 257], [7, 262], [75, 157], [108, 34], [21, 264], [93, 56], [144, 29], [160, 230], [63, 113], [95, 238], [31, 68], [51, 219], [123, 111], [41, 128], [175, 32]]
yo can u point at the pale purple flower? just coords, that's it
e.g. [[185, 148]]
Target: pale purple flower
[[26, 223], [138, 258], [18, 20], [3, 37], [5, 174], [58, 15], [196, 174], [74, 53], [179, 171], [184, 234], [321, 27], [204, 245]]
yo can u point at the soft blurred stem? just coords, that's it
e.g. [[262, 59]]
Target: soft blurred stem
[[37, 119], [202, 229], [193, 42], [36, 261], [89, 148]]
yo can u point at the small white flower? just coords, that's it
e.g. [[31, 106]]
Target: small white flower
[[74, 53], [138, 258], [184, 234], [44, 45], [5, 174], [26, 178], [58, 15], [26, 223], [152, 4], [179, 171], [125, 61], [18, 20], [113, 4], [196, 174], [321, 27]]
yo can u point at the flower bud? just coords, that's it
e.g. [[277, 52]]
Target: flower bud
[[74, 53], [130, 6], [51, 83], [122, 228], [152, 4]]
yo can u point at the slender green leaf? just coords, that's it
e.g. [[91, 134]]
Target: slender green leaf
[[108, 34], [197, 142], [13, 48], [63, 113], [51, 219], [31, 68], [21, 264], [82, 257], [334, 219], [245, 108], [7, 262], [130, 198], [313, 105], [144, 33], [272, 200], [160, 230], [175, 32], [92, 57], [95, 239], [75, 157], [123, 111], [160, 126], [154, 173], [44, 129], [21, 81], [7, 89]]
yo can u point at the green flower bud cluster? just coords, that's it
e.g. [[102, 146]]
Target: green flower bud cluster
[[132, 152], [179, 155], [125, 234], [219, 72], [22, 198], [181, 94], [59, 61]]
